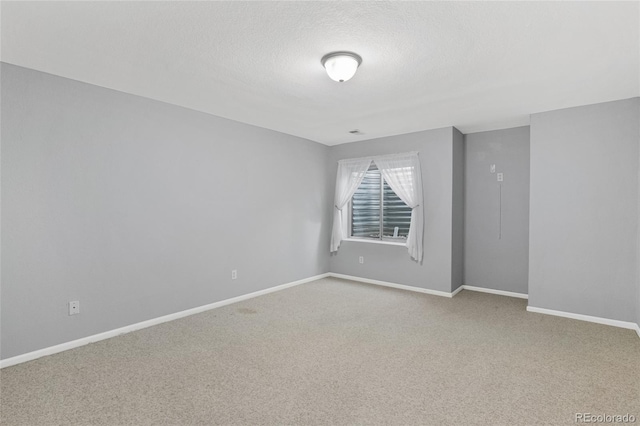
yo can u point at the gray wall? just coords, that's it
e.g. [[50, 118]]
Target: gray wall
[[457, 229], [497, 239], [584, 210], [139, 209], [392, 263]]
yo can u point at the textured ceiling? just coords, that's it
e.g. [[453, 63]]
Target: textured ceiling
[[474, 65]]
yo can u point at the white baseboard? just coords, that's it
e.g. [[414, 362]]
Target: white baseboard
[[457, 290], [588, 318], [144, 324], [498, 292], [427, 291], [393, 285]]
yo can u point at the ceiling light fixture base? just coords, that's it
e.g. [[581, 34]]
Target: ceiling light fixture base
[[341, 66]]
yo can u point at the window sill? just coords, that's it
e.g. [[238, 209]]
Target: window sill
[[386, 243]]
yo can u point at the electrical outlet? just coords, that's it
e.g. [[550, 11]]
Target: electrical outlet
[[500, 177], [234, 274], [361, 259], [74, 307], [492, 168]]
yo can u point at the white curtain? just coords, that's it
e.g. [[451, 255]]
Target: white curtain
[[350, 175], [402, 173]]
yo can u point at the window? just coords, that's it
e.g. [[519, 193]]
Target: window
[[376, 211]]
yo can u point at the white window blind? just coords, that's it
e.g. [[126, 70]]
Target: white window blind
[[376, 210]]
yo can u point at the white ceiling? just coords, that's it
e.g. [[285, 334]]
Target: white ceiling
[[474, 65]]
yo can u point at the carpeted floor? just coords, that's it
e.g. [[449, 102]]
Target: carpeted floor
[[338, 352]]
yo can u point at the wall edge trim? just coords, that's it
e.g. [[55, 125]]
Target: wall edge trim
[[498, 292], [393, 285], [457, 290], [587, 318]]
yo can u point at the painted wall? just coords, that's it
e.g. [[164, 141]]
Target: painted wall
[[457, 229], [638, 241], [497, 213], [392, 263], [139, 209], [584, 210]]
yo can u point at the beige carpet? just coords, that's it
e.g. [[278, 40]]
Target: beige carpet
[[338, 352]]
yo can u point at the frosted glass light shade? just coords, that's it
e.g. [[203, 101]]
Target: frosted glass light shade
[[341, 66]]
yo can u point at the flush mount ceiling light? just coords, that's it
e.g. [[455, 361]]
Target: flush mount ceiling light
[[341, 66]]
